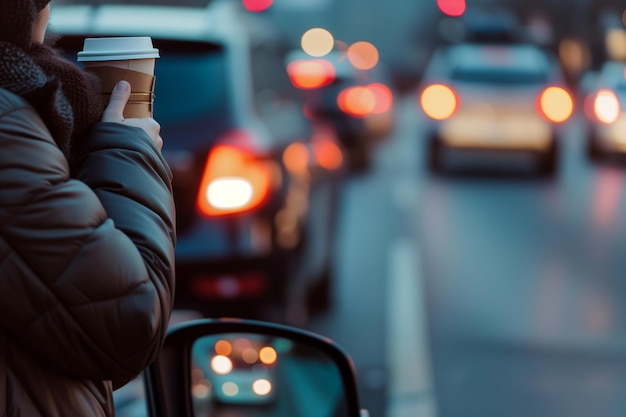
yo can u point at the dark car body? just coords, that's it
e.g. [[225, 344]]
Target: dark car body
[[255, 182]]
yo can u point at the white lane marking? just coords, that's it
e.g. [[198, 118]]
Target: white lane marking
[[410, 387]]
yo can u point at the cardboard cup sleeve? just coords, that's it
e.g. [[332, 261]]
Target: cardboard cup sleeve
[[140, 103]]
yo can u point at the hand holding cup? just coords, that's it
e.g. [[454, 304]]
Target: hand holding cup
[[114, 112]]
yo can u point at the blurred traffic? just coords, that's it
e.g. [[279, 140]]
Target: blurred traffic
[[323, 150], [493, 97], [255, 181]]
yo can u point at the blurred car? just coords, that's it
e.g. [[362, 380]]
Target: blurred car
[[237, 370], [491, 25], [605, 110], [494, 100], [255, 182], [359, 103]]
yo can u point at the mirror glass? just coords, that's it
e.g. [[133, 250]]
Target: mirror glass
[[245, 375]]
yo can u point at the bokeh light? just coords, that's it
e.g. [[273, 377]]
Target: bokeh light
[[310, 74], [250, 355], [606, 106], [230, 389], [453, 8], [557, 104], [363, 55], [616, 44], [317, 42], [268, 355], [574, 56], [223, 347], [262, 387], [327, 152], [221, 365], [439, 101], [296, 158], [357, 101], [383, 96], [257, 5]]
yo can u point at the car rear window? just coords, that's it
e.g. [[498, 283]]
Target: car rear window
[[191, 82], [497, 64], [503, 76]]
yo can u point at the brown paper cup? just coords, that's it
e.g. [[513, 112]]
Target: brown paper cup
[[132, 59], [140, 103]]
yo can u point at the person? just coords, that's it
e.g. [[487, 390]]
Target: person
[[87, 230]]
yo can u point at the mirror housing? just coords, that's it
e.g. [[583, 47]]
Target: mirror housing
[[168, 380]]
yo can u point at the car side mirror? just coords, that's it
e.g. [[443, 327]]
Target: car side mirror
[[219, 367]]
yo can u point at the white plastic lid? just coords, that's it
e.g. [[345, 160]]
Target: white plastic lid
[[117, 49]]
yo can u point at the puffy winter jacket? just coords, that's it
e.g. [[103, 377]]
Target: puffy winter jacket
[[86, 264]]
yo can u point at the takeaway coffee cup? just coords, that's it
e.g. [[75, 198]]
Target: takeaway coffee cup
[[123, 58]]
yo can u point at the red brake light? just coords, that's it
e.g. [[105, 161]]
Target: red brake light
[[257, 5], [296, 158], [358, 101], [606, 106], [361, 101], [555, 104], [439, 101], [383, 97], [326, 151], [311, 73], [234, 179]]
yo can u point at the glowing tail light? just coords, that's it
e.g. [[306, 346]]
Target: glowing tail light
[[361, 101], [311, 74], [257, 5], [439, 101], [383, 97], [326, 151], [606, 106], [555, 104], [234, 180], [296, 158], [358, 101]]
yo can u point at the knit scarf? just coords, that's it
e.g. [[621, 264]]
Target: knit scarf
[[66, 97]]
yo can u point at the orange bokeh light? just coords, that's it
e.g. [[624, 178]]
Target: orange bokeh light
[[326, 152], [556, 104], [296, 158], [439, 101], [357, 101], [363, 55], [383, 97]]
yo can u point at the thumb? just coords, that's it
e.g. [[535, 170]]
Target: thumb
[[114, 111]]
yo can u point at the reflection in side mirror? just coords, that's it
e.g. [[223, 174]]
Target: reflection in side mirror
[[246, 374], [247, 368]]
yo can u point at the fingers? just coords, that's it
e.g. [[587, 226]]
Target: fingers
[[150, 126], [114, 111]]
